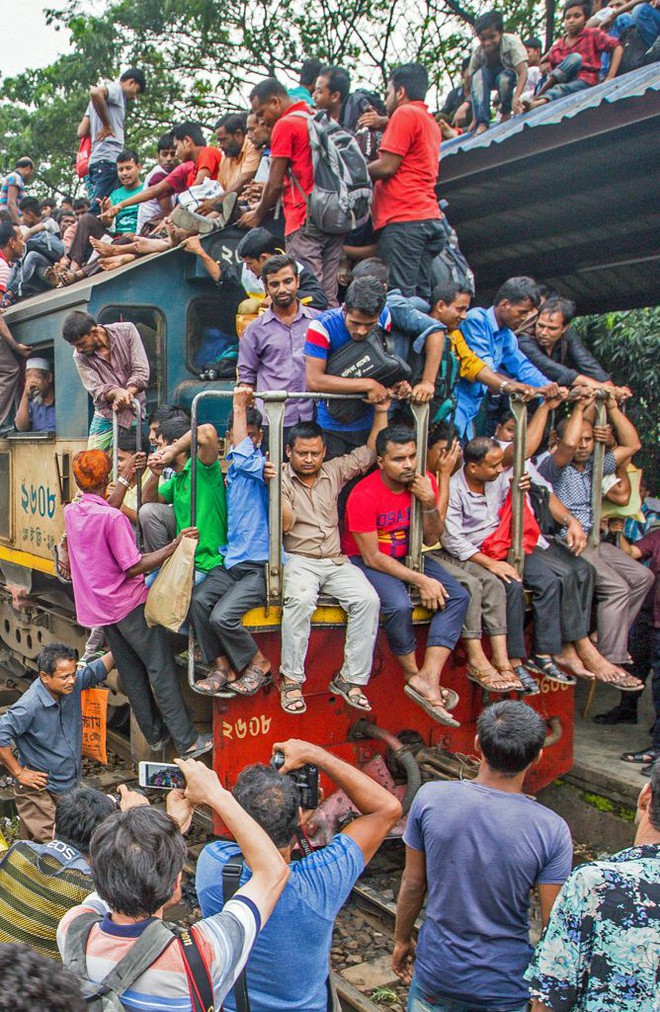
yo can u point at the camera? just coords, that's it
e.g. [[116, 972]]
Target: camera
[[306, 780]]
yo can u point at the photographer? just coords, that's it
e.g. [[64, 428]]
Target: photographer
[[36, 409], [288, 968]]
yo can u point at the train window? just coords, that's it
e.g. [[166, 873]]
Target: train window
[[5, 531], [211, 341], [150, 323]]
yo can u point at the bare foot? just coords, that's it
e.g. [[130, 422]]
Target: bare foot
[[481, 129], [112, 263], [570, 660], [104, 249]]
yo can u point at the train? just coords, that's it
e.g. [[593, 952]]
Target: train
[[187, 324]]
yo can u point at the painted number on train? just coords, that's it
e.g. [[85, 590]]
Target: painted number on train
[[252, 728], [38, 500]]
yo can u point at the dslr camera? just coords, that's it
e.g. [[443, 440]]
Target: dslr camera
[[306, 780]]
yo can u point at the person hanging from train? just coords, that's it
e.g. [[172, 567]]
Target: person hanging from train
[[36, 408], [376, 539], [316, 564], [12, 246], [107, 572], [113, 367], [132, 465]]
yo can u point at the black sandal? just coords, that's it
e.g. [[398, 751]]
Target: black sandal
[[546, 667], [342, 688], [648, 755]]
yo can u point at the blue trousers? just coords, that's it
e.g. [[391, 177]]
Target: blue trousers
[[566, 76], [419, 1001], [489, 79], [103, 179], [397, 608]]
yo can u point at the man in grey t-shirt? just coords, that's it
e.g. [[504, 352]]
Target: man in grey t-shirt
[[104, 123]]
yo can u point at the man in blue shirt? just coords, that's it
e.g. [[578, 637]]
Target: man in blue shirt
[[45, 726], [477, 847], [490, 335], [229, 591], [289, 965]]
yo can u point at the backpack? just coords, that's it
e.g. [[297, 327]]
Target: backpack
[[104, 995], [367, 359], [634, 51], [341, 198], [50, 246], [443, 404], [450, 263]]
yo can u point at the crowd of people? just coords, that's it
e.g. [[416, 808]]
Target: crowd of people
[[363, 273]]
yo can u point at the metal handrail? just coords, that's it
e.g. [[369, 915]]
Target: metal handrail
[[414, 559], [598, 470], [137, 407], [516, 555]]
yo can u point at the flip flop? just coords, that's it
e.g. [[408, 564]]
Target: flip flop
[[286, 690], [342, 688], [439, 713], [250, 682], [624, 684]]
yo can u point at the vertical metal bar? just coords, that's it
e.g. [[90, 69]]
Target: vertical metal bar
[[193, 521], [516, 557], [597, 473], [275, 406], [138, 475], [115, 446], [416, 534]]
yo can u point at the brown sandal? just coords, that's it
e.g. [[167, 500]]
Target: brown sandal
[[216, 684], [250, 681], [297, 705], [494, 681]]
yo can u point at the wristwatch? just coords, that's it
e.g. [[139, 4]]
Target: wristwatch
[[504, 386]]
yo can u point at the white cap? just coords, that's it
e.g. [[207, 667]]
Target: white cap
[[39, 363]]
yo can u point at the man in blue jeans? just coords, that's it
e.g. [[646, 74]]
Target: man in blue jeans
[[477, 847]]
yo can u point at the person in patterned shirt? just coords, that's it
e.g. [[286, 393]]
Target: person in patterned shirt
[[601, 949]]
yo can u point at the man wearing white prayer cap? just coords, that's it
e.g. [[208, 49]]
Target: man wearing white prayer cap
[[36, 411]]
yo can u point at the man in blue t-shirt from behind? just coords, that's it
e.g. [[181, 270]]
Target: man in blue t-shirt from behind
[[475, 848], [289, 965]]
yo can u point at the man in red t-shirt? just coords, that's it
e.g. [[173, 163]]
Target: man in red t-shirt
[[12, 247], [405, 210], [291, 177], [376, 532]]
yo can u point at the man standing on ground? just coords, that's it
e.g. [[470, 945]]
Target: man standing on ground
[[474, 944], [45, 726], [12, 247]]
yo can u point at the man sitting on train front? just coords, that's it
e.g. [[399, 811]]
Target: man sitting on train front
[[36, 409]]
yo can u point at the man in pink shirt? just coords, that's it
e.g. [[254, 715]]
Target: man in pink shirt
[[107, 572]]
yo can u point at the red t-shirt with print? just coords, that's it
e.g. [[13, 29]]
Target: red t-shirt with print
[[372, 506], [409, 195], [290, 140]]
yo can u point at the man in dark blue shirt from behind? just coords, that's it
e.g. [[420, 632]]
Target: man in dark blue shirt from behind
[[45, 727]]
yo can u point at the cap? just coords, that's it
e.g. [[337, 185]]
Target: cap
[[39, 363]]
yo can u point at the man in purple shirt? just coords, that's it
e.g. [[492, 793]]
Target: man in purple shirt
[[271, 351], [107, 572]]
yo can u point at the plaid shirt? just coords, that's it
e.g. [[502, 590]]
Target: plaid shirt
[[591, 43]]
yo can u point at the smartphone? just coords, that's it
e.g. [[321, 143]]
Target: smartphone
[[160, 776]]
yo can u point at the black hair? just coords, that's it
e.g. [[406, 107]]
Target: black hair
[[76, 325], [372, 267], [586, 7], [309, 71], [172, 429], [654, 808], [270, 87], [189, 129], [30, 204], [278, 263], [77, 815], [48, 202], [558, 304], [51, 656], [518, 290], [366, 295], [491, 19], [126, 440], [23, 163], [414, 78], [165, 142], [165, 412], [476, 450], [446, 291], [338, 80], [511, 735], [7, 232], [233, 122], [304, 430], [137, 75], [62, 212], [399, 434], [444, 430], [128, 155], [256, 242], [506, 416], [533, 43], [465, 64], [80, 202], [31, 981], [253, 416], [66, 199], [271, 799], [136, 857]]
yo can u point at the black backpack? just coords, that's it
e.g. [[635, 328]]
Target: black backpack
[[367, 359]]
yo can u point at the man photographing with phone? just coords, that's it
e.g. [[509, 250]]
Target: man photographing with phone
[[298, 936]]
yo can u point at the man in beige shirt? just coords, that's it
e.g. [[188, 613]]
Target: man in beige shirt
[[315, 565], [240, 157]]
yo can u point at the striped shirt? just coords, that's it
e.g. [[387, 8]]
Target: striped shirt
[[225, 941], [13, 179], [128, 366]]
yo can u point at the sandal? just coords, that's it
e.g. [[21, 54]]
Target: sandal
[[436, 709], [343, 688], [250, 681], [648, 756], [546, 667], [297, 705], [214, 685], [530, 687], [493, 681], [628, 684]]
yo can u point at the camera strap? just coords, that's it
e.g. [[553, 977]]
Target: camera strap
[[231, 880]]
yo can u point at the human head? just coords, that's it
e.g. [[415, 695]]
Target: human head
[[91, 471], [396, 454], [534, 49], [553, 320], [510, 736], [172, 429], [305, 448], [39, 375], [80, 206], [163, 414], [255, 425], [364, 302], [126, 444], [47, 206], [257, 246], [482, 458], [136, 859], [25, 168], [231, 130], [65, 218], [57, 668], [309, 71], [441, 437], [133, 83], [269, 101], [450, 301], [31, 981], [166, 152], [506, 428], [575, 15], [280, 278], [332, 87], [187, 136], [66, 203], [271, 799], [489, 29], [12, 242], [407, 83], [128, 169], [31, 212], [82, 331], [515, 300], [78, 814], [258, 133], [372, 267]]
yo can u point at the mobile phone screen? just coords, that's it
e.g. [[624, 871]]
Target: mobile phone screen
[[161, 776]]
